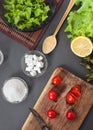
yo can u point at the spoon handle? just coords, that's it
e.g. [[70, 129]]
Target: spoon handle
[[71, 4]]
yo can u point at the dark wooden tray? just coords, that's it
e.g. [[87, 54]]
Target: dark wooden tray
[[30, 40]]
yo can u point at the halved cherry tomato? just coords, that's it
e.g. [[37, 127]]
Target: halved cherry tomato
[[52, 94], [51, 113], [57, 80], [77, 87], [76, 93], [70, 115], [71, 98], [76, 90]]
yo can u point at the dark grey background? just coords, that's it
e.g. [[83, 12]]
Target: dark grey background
[[12, 116]]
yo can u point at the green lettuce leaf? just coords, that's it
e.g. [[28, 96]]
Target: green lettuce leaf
[[26, 13], [80, 21]]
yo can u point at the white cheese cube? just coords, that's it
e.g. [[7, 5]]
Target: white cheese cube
[[40, 58], [34, 57], [33, 73], [28, 69], [40, 64]]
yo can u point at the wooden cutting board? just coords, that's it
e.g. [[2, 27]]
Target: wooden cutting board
[[81, 107]]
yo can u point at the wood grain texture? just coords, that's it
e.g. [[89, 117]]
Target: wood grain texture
[[81, 107]]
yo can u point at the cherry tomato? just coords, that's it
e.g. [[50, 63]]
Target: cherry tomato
[[76, 93], [51, 113], [57, 80], [52, 94], [70, 115], [71, 98], [77, 87], [76, 90]]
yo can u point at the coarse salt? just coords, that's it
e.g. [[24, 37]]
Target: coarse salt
[[15, 90]]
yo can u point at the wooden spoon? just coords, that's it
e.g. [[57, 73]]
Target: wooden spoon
[[50, 42]]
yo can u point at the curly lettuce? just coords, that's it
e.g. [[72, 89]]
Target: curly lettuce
[[26, 13], [80, 21]]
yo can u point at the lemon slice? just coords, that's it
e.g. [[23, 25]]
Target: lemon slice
[[81, 46]]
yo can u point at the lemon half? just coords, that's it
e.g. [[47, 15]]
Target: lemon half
[[82, 46]]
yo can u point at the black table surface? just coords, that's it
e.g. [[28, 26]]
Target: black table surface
[[13, 116]]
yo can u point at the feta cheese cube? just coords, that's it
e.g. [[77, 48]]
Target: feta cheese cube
[[33, 73]]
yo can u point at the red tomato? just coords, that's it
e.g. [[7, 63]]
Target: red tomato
[[57, 80], [71, 98], [77, 87], [52, 94], [70, 115], [51, 113], [76, 90], [76, 93]]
